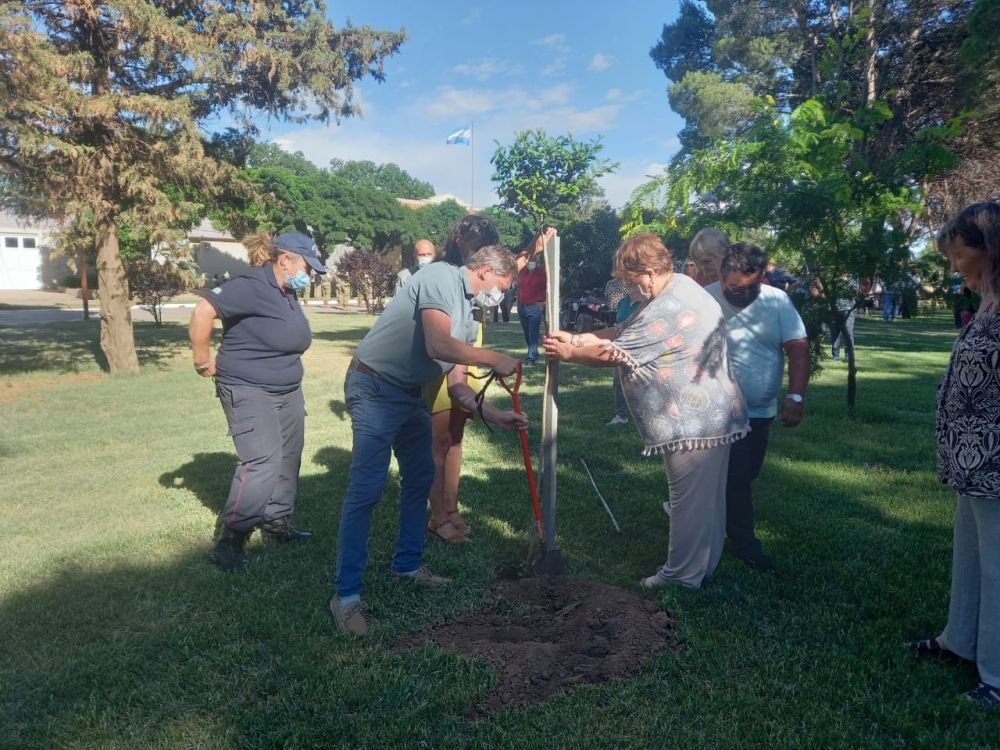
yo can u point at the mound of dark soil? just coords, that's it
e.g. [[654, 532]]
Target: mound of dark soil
[[547, 634]]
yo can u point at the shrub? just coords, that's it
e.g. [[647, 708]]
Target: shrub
[[151, 284], [370, 275]]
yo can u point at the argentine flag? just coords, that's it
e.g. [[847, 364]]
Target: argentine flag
[[462, 136]]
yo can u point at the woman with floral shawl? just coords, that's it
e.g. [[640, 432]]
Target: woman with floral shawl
[[674, 365]]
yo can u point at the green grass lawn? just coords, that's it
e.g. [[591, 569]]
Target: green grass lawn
[[117, 632]]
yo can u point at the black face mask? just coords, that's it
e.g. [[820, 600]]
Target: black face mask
[[744, 298]]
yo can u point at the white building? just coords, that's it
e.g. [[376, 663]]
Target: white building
[[25, 247], [216, 252]]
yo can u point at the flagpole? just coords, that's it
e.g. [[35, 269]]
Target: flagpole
[[472, 165]]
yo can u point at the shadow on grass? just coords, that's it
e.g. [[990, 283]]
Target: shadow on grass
[[76, 346], [209, 475]]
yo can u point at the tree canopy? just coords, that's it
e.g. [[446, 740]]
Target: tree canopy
[[386, 178], [545, 177], [106, 102]]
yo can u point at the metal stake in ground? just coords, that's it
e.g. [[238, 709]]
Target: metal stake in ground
[[550, 563], [603, 501]]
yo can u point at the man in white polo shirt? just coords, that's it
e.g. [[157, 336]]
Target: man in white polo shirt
[[763, 327]]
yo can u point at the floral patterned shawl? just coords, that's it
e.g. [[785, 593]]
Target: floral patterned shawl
[[678, 381]]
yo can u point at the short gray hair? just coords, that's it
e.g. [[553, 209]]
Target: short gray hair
[[496, 256], [708, 244]]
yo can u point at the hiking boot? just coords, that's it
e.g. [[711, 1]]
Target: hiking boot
[[281, 530], [350, 618], [422, 576], [228, 552]]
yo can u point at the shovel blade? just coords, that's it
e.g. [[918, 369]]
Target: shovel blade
[[549, 564]]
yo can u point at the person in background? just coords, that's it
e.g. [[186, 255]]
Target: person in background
[[421, 335], [707, 250], [424, 252], [967, 306], [502, 311], [616, 292], [450, 412], [258, 380], [779, 277], [690, 268], [968, 411], [763, 327], [531, 282], [891, 294], [843, 323], [680, 389]]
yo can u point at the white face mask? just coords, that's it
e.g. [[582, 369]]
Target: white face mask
[[492, 298], [636, 294], [532, 265], [423, 260]]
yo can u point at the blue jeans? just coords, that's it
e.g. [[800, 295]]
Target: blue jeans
[[385, 419], [890, 306], [839, 330], [530, 316]]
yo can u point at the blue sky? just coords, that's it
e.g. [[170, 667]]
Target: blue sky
[[581, 68]]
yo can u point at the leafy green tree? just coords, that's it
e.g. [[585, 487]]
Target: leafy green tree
[[105, 103], [515, 232], [788, 175], [387, 178], [587, 251], [545, 177]]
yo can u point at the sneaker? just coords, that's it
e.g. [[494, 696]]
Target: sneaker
[[350, 618], [654, 581], [617, 420], [985, 695], [281, 530], [422, 576]]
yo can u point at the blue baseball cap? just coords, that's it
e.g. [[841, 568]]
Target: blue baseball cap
[[302, 244]]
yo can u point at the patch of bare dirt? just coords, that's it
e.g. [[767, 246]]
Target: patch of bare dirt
[[548, 634], [33, 388]]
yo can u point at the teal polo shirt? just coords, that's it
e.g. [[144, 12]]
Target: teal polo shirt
[[395, 346]]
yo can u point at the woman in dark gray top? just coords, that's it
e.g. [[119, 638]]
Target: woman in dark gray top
[[258, 379]]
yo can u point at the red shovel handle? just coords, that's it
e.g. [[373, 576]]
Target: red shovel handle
[[536, 506]]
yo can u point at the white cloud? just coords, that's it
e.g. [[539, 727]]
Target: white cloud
[[558, 94], [471, 18], [556, 66], [552, 40], [455, 102], [617, 95], [488, 68], [601, 62]]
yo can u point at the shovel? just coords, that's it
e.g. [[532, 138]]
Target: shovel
[[550, 562]]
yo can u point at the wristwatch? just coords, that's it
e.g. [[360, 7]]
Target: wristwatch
[[796, 397], [202, 368]]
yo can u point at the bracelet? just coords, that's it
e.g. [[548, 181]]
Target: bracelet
[[202, 368]]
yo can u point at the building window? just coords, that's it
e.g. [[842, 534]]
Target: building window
[[28, 242], [10, 241]]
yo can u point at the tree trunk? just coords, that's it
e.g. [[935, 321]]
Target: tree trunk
[[117, 339]]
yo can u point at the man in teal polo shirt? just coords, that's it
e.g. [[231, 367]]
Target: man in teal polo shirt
[[422, 334]]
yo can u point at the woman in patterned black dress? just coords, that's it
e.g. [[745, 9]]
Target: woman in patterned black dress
[[968, 448]]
